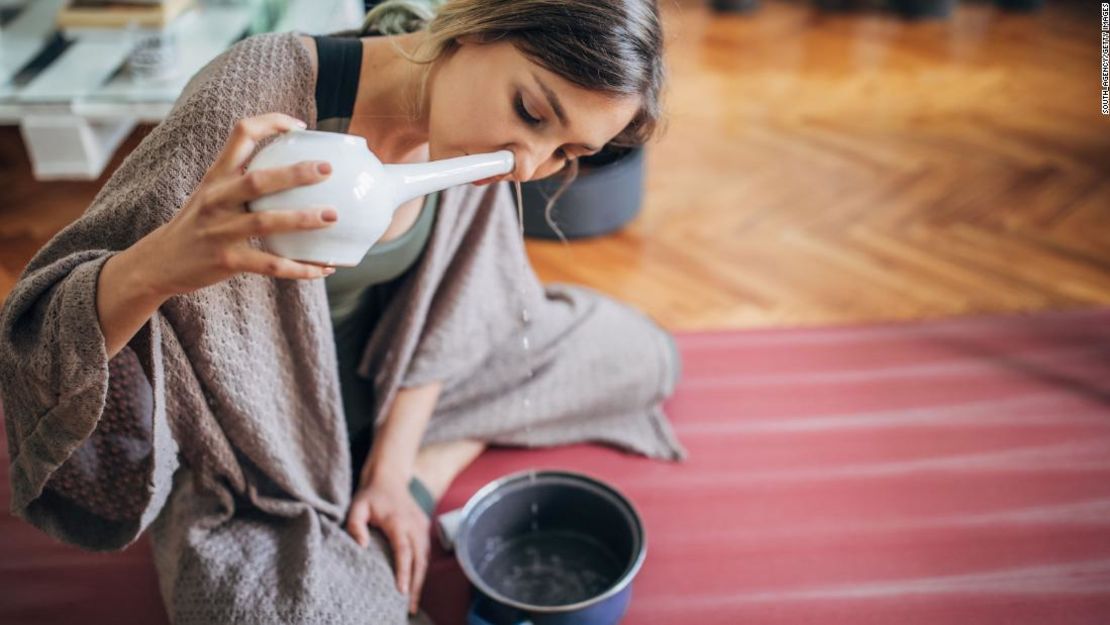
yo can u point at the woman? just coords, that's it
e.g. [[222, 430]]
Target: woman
[[161, 369]]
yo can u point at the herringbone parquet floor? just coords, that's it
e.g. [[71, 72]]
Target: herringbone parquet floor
[[828, 169], [859, 167]]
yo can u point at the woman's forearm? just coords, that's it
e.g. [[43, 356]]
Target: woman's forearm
[[125, 298], [398, 439]]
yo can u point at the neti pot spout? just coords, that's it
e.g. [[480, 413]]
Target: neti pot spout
[[412, 180]]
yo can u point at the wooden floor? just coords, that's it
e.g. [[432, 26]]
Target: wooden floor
[[826, 169]]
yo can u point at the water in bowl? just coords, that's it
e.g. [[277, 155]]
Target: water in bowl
[[551, 568]]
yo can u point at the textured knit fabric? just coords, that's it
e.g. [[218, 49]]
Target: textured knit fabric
[[220, 426]]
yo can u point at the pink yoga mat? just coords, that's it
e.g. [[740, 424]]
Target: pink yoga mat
[[941, 473]]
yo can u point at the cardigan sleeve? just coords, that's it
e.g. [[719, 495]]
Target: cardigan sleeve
[[91, 455], [90, 451]]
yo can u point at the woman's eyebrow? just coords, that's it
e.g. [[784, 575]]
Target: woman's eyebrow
[[557, 106]]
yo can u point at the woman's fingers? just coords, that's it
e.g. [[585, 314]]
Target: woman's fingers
[[270, 222], [408, 538], [237, 190], [257, 261], [420, 566], [245, 136], [402, 552]]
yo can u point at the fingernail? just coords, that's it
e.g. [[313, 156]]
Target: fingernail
[[329, 214], [327, 272], [302, 125], [323, 168]]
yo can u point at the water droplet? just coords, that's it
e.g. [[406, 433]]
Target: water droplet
[[527, 344]]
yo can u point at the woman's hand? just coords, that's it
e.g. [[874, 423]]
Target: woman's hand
[[386, 503], [206, 241]]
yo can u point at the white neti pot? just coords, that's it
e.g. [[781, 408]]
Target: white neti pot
[[364, 192]]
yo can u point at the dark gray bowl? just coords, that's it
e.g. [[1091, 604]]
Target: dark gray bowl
[[607, 194]]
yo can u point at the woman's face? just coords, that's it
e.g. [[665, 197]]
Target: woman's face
[[489, 97]]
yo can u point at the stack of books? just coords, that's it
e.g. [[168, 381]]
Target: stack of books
[[151, 14]]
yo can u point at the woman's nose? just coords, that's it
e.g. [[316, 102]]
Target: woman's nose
[[525, 166], [528, 162]]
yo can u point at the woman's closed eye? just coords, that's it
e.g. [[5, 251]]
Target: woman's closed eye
[[522, 111]]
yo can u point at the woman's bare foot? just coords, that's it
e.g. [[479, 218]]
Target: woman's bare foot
[[438, 465]]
